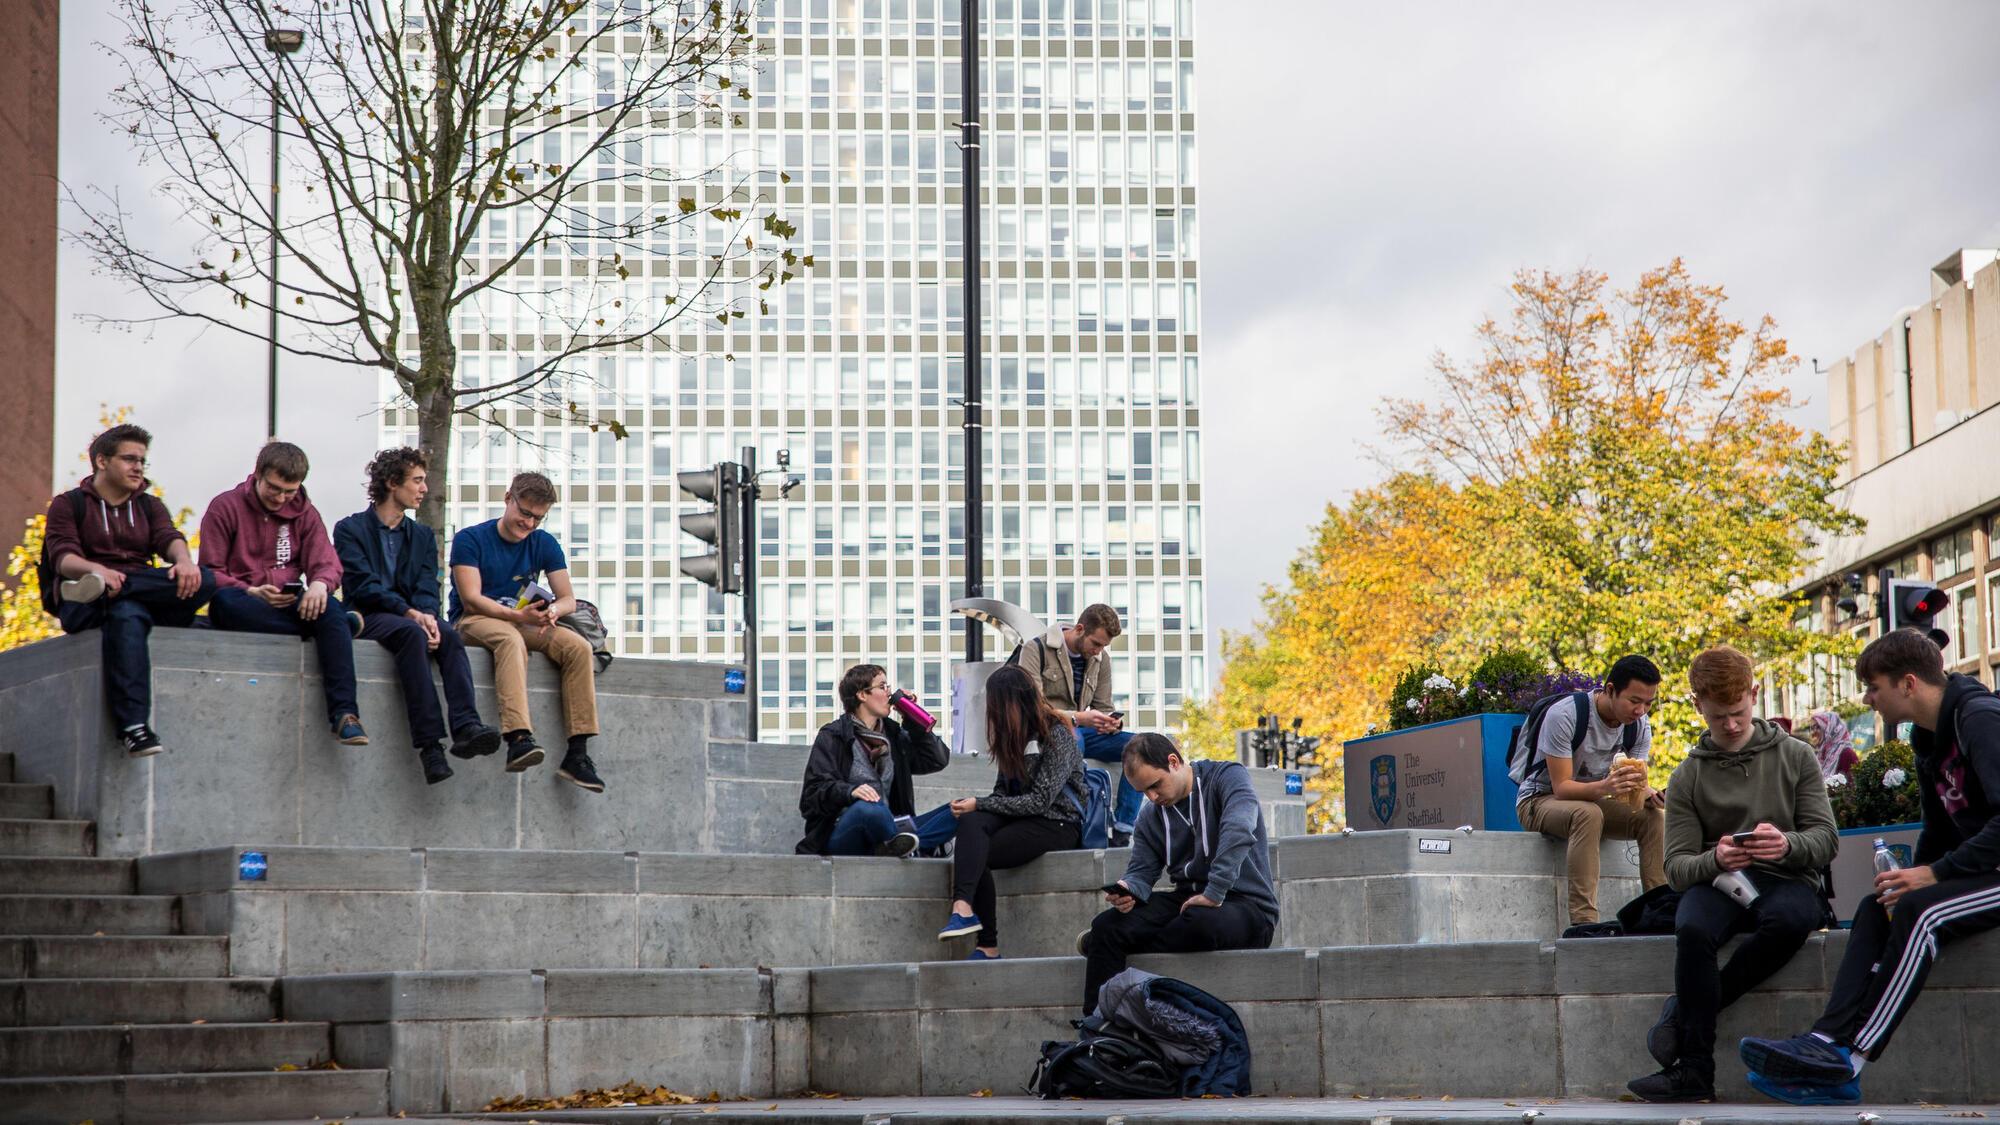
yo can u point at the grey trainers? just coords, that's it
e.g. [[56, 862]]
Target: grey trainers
[[80, 591]]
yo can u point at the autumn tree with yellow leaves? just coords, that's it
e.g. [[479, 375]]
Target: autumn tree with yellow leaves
[[1611, 471]]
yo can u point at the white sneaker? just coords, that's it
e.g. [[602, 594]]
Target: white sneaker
[[81, 591]]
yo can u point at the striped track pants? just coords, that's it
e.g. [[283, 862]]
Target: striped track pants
[[1890, 955]]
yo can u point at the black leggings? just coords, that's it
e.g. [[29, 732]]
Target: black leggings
[[989, 842]]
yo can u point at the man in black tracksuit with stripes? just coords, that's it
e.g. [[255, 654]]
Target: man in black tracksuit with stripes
[[1951, 891]]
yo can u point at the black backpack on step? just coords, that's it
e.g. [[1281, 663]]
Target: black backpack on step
[[1103, 1064]]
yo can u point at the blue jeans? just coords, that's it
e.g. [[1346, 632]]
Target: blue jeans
[[127, 619], [1101, 747], [866, 825], [238, 610]]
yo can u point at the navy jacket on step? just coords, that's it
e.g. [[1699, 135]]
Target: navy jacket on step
[[365, 583]]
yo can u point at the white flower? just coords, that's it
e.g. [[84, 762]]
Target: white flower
[[1411, 704], [1438, 682], [1894, 779], [1836, 782]]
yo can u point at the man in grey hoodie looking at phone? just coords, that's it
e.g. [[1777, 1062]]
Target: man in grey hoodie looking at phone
[[1203, 826]]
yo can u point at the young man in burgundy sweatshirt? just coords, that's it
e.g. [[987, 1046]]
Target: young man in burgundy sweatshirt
[[101, 537], [276, 570]]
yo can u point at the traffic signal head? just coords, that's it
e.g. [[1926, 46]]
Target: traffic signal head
[[1912, 603], [721, 527]]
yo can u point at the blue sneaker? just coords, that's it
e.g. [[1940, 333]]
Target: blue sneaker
[[1804, 1059], [959, 925], [348, 730], [1803, 1093], [982, 955]]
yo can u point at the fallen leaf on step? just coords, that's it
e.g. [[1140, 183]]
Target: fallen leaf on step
[[288, 1066], [982, 1093], [200, 1022]]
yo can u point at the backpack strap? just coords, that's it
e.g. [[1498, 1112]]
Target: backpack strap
[[1632, 736], [1582, 699]]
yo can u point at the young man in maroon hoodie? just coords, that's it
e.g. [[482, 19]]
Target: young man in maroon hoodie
[[101, 537], [276, 570]]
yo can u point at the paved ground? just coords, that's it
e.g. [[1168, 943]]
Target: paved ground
[[1248, 1111]]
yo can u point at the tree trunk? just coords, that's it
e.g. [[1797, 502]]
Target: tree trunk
[[434, 425]]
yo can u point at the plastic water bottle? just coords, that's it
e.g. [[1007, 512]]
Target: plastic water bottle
[[1885, 860]]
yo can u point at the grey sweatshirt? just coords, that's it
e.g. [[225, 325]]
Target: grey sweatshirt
[[1213, 841]]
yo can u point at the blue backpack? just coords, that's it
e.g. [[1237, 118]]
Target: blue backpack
[[1096, 808]]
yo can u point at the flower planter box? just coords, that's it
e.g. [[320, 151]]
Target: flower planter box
[[1439, 775], [1854, 864]]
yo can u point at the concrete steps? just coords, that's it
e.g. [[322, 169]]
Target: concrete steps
[[149, 955], [20, 837], [141, 1099], [56, 1052], [101, 1000], [80, 875], [88, 914], [7, 766], [27, 802]]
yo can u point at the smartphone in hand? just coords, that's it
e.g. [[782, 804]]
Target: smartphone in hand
[[1742, 839], [1117, 889]]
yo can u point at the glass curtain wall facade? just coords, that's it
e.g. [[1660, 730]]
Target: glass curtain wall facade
[[1092, 383]]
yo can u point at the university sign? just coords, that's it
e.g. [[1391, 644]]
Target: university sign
[[1425, 777]]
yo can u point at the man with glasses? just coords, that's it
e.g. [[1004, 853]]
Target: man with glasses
[[275, 572], [98, 549], [510, 588]]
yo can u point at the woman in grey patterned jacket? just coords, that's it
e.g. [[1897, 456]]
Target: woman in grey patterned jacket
[[1036, 805]]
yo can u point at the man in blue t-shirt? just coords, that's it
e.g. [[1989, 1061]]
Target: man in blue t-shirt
[[509, 588]]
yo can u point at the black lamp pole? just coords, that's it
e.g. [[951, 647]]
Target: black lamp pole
[[975, 545]]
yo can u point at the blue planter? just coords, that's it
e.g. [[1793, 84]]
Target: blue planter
[[1437, 775]]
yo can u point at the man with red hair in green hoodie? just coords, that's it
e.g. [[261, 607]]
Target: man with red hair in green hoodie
[[276, 570]]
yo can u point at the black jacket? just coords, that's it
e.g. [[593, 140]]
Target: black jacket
[[367, 586], [828, 792], [1958, 775]]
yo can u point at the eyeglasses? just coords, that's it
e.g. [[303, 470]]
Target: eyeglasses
[[878, 687]]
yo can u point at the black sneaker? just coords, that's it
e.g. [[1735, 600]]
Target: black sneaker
[[140, 741], [578, 770], [523, 753], [436, 769], [349, 731], [1663, 1041], [899, 845], [1674, 1084], [475, 741]]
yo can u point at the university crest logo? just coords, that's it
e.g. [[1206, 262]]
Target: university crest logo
[[1382, 786]]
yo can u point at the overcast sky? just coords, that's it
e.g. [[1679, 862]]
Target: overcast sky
[[1371, 175]]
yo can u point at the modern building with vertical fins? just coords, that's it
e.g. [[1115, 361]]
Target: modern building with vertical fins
[[1092, 384]]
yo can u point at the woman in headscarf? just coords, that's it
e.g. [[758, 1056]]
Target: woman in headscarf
[[1828, 734]]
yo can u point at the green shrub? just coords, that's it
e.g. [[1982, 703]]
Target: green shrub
[[1870, 798]]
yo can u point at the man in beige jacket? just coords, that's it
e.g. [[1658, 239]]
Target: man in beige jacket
[[1074, 673]]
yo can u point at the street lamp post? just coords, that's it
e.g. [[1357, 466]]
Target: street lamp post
[[975, 483], [280, 42]]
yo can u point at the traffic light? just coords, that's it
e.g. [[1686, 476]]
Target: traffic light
[[1912, 603], [721, 527]]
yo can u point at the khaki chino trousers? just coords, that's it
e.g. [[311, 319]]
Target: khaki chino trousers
[[510, 643], [1585, 824]]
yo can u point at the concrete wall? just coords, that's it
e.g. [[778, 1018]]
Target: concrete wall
[[1383, 888], [1562, 1019], [337, 910], [250, 758]]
